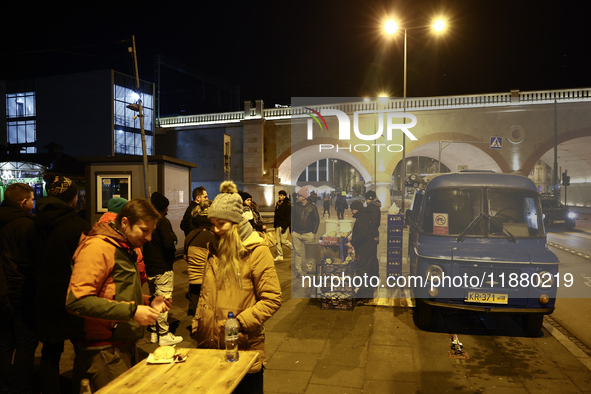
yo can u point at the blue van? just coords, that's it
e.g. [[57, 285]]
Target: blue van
[[477, 242]]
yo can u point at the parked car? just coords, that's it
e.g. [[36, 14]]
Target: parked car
[[556, 213], [487, 228]]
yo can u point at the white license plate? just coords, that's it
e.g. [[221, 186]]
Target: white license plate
[[559, 221]]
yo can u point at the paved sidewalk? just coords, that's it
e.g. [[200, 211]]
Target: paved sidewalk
[[380, 350]]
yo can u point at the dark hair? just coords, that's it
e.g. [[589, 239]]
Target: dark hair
[[136, 210], [198, 191], [18, 192], [283, 192]]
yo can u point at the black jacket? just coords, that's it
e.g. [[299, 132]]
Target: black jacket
[[58, 229], [17, 243], [341, 203], [282, 214], [159, 252], [373, 207], [187, 224], [360, 236], [5, 306], [305, 218]]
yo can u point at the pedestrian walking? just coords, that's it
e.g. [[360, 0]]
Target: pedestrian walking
[[326, 206], [159, 254], [282, 222], [240, 277], [18, 339], [59, 229], [305, 222], [105, 289], [341, 205]]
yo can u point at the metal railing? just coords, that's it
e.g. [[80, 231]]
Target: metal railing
[[412, 103]]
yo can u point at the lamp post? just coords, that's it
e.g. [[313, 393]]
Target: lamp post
[[137, 107], [390, 27]]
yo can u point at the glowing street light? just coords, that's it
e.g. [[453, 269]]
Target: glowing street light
[[390, 28]]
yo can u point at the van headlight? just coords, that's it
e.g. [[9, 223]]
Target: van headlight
[[572, 215], [434, 271], [546, 280]]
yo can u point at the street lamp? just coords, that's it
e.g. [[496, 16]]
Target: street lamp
[[390, 28]]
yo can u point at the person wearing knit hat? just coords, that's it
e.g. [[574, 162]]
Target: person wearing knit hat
[[239, 277], [251, 212], [159, 201], [61, 187], [370, 195], [303, 192], [159, 256]]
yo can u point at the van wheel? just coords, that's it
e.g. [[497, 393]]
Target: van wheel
[[533, 324], [424, 316]]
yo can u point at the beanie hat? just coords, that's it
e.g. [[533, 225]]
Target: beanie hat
[[60, 186], [244, 195], [159, 201], [370, 195], [356, 205], [116, 204], [228, 204], [283, 192], [343, 193], [303, 192]]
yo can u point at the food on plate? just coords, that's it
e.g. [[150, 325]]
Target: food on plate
[[164, 353]]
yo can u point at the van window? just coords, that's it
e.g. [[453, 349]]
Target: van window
[[460, 206], [494, 211], [515, 209]]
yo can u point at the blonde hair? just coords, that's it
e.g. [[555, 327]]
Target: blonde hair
[[231, 254]]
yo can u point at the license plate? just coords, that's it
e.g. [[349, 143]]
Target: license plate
[[488, 298], [559, 221]]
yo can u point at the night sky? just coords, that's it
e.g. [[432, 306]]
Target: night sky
[[323, 48]]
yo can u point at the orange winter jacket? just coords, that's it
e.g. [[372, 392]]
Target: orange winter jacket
[[110, 216], [105, 287]]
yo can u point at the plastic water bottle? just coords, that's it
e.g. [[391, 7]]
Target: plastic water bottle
[[85, 387], [232, 328]]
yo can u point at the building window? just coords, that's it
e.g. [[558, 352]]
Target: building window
[[128, 139], [124, 116], [22, 132], [20, 105], [130, 143]]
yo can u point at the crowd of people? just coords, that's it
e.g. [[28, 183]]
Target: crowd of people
[[63, 279]]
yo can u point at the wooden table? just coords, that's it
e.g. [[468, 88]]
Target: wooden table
[[204, 371]]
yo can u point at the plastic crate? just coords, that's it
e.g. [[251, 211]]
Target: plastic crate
[[395, 232], [395, 221], [394, 253], [394, 242]]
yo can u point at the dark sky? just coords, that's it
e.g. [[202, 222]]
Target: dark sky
[[322, 48]]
